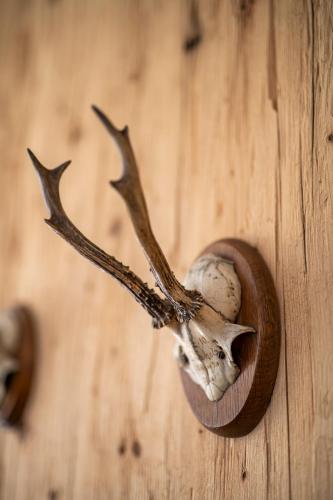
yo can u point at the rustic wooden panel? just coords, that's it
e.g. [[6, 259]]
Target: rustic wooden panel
[[231, 115]]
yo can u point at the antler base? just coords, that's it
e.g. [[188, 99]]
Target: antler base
[[244, 403]]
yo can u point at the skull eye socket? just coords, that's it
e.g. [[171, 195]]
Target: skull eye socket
[[184, 359], [221, 354]]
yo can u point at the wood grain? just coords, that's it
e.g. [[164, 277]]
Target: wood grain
[[229, 105]]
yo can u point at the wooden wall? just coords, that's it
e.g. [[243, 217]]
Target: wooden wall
[[230, 108]]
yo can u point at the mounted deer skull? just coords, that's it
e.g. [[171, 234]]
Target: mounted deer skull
[[200, 314], [9, 339]]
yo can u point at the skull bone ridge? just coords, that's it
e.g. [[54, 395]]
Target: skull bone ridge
[[203, 347]]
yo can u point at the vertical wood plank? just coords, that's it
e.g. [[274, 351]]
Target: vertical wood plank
[[230, 112]]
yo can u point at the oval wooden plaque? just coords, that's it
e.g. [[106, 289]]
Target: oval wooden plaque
[[12, 408], [257, 355]]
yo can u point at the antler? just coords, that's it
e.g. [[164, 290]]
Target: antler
[[161, 311], [185, 302], [203, 331]]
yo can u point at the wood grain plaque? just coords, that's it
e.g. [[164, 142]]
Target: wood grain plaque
[[257, 355]]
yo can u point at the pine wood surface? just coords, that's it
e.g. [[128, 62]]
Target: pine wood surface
[[230, 110]]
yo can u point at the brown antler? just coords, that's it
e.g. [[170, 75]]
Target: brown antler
[[161, 311], [185, 302]]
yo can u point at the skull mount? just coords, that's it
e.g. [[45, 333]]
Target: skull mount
[[16, 363], [201, 312]]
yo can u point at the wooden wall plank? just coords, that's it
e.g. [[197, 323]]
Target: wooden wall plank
[[230, 111]]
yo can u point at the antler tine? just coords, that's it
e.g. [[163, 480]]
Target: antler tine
[[185, 302], [160, 310]]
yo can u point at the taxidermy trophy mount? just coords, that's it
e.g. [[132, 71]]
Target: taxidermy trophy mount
[[224, 316], [16, 363]]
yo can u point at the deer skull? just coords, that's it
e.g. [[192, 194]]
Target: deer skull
[[9, 337], [200, 312], [203, 346]]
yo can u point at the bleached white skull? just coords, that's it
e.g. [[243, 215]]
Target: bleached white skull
[[203, 347]]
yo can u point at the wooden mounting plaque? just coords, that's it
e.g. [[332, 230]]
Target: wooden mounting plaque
[[11, 410], [257, 355]]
